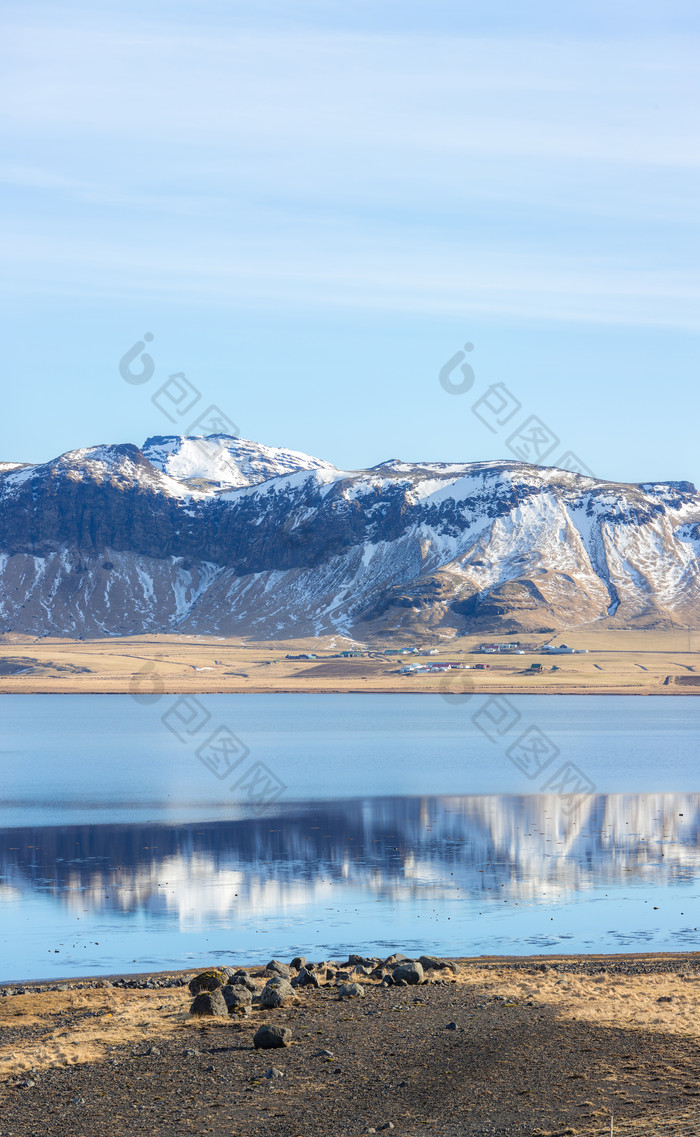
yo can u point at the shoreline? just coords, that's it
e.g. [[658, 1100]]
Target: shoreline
[[514, 961]]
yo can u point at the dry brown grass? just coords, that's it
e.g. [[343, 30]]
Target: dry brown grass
[[64, 1038], [638, 663]]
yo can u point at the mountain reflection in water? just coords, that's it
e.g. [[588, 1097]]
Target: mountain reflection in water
[[494, 849]]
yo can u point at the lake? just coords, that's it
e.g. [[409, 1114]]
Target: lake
[[142, 835]]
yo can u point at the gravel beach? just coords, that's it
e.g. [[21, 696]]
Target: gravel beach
[[527, 1047]]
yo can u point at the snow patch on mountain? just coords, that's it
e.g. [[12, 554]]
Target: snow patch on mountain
[[225, 462]]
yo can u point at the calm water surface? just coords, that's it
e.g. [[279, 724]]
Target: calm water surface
[[403, 822]]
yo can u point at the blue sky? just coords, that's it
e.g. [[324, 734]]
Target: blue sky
[[312, 206]]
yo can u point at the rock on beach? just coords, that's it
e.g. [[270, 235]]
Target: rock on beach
[[210, 1003], [272, 1037]]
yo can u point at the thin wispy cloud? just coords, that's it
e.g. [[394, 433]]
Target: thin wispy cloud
[[543, 176]]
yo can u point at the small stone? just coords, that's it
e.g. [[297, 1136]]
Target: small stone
[[192, 1052], [153, 1052], [271, 1037], [351, 991], [323, 1054], [386, 1125], [210, 1003], [273, 1072], [451, 1026]]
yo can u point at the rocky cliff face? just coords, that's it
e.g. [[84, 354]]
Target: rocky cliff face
[[224, 536]]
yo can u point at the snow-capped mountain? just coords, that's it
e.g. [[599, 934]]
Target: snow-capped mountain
[[219, 461], [221, 535]]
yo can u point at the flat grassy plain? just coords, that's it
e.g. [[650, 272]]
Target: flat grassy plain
[[616, 662]]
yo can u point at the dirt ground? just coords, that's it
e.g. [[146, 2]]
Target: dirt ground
[[533, 1047], [639, 663]]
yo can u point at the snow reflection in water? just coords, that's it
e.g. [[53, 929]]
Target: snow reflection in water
[[459, 875]]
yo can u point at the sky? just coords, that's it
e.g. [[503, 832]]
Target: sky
[[312, 207]]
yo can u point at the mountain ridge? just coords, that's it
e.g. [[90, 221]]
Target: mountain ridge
[[222, 535]]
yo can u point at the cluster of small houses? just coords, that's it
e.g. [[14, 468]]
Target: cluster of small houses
[[490, 649], [515, 649], [432, 666]]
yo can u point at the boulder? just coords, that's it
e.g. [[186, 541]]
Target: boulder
[[361, 961], [236, 996], [272, 1037], [276, 993], [305, 979], [279, 968], [397, 957], [210, 1003], [207, 981], [351, 991], [298, 962], [410, 973], [431, 963], [243, 981]]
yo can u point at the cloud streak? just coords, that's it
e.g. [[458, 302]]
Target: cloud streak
[[543, 178]]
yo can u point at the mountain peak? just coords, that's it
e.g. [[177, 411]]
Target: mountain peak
[[220, 462]]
